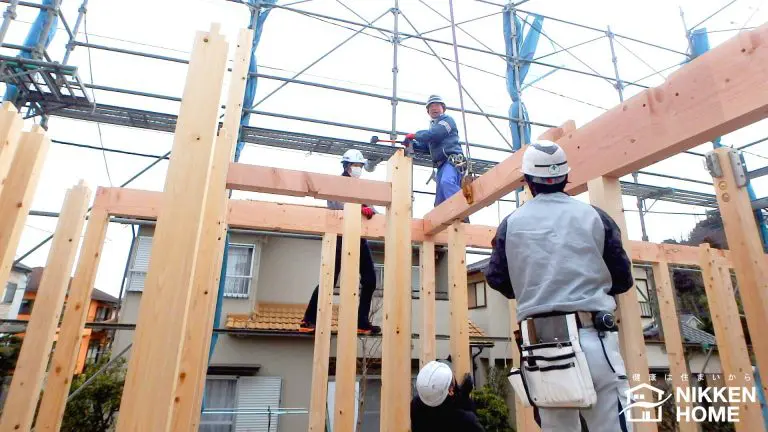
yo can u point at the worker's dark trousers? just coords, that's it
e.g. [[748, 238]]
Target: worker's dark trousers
[[367, 285]]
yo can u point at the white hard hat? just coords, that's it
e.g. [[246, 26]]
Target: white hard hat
[[545, 160], [353, 156], [433, 382], [434, 99]]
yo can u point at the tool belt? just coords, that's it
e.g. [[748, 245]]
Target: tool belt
[[553, 369], [459, 162]]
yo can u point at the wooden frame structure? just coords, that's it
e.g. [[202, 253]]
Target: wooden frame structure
[[717, 93]]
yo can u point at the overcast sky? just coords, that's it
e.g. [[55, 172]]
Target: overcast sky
[[291, 41]]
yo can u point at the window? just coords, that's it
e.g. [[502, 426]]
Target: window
[[26, 307], [94, 351], [415, 280], [643, 298], [102, 313], [259, 396], [476, 296], [10, 292], [140, 264], [220, 397], [239, 271]]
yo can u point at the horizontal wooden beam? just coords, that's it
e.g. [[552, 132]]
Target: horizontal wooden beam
[[670, 253], [715, 94], [255, 178]]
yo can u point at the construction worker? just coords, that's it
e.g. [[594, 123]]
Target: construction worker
[[441, 142], [353, 163], [564, 262], [441, 404]]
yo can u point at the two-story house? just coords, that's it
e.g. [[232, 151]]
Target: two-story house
[[14, 292]]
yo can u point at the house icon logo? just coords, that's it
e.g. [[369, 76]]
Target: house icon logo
[[650, 410]]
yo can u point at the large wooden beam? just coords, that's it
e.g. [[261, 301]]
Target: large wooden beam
[[147, 404], [255, 178], [396, 329], [673, 342], [457, 290], [731, 345], [427, 338], [670, 253], [17, 193], [605, 192], [346, 339], [19, 409], [746, 255], [320, 359], [68, 347], [715, 94], [10, 129], [205, 283]]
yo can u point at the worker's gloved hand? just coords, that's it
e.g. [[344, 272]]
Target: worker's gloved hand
[[410, 136], [464, 391], [368, 212]]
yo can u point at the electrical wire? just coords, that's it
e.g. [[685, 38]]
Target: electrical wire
[[93, 93]]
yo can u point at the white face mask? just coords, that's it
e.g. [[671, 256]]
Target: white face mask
[[356, 171]]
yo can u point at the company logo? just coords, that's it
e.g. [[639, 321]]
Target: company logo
[[650, 411], [554, 169]]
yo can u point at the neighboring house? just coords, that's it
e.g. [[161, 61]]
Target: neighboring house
[[14, 291], [102, 308]]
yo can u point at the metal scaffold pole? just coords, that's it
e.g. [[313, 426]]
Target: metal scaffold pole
[[395, 43], [71, 44], [8, 16]]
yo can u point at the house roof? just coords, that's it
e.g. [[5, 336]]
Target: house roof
[[690, 334], [37, 273], [22, 268], [478, 266], [286, 317]]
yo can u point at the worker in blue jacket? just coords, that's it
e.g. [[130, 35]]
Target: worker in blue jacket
[[441, 142]]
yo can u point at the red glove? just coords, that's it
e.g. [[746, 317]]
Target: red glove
[[410, 136], [368, 212]]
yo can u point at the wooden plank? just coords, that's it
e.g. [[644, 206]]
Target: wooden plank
[[673, 342], [346, 339], [19, 408], [524, 418], [731, 345], [671, 253], [396, 329], [605, 193], [68, 346], [320, 360], [255, 178], [147, 405], [457, 286], [554, 134], [202, 303], [713, 95], [428, 334], [747, 257], [10, 130]]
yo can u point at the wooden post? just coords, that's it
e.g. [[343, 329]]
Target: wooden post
[[731, 346], [322, 352], [10, 129], [19, 409], [747, 257], [672, 339], [346, 339], [205, 284], [524, 418], [16, 196], [427, 275], [68, 346], [605, 192], [457, 285], [396, 343], [147, 404]]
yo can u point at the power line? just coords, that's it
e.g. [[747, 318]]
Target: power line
[[98, 124], [716, 12]]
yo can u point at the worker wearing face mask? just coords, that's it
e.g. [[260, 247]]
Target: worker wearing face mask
[[353, 163]]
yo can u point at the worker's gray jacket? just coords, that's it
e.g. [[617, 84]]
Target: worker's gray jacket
[[557, 254]]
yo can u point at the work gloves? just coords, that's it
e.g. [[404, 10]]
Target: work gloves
[[410, 136], [368, 212]]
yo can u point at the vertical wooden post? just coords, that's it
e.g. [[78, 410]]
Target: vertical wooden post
[[322, 352], [396, 343], [202, 303], [19, 409], [346, 339], [731, 346], [605, 192], [10, 129], [747, 256], [457, 285], [16, 196], [672, 339], [68, 346], [147, 404], [524, 418], [427, 275]]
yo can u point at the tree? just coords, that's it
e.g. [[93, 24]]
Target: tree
[[10, 346], [490, 402], [94, 409]]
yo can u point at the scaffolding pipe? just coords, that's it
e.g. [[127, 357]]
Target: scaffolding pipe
[[42, 40], [98, 372], [461, 88], [516, 66], [81, 11], [8, 16], [130, 52], [395, 43]]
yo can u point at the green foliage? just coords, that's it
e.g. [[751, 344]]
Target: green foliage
[[94, 409], [492, 410], [9, 352], [497, 381]]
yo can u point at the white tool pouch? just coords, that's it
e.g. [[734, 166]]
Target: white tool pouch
[[554, 374]]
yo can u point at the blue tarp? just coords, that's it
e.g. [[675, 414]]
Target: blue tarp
[[526, 47], [33, 37]]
